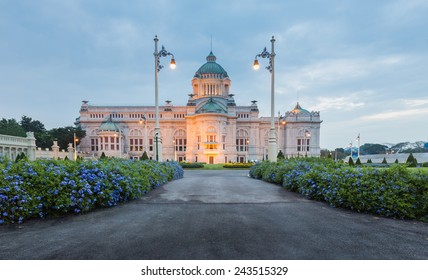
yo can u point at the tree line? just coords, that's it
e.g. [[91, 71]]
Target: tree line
[[44, 137]]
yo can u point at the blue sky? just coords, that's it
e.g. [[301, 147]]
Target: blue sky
[[363, 64]]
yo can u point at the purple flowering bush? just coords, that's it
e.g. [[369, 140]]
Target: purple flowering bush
[[392, 192], [52, 188]]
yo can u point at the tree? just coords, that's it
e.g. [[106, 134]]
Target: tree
[[325, 153], [144, 156], [65, 135], [358, 162], [43, 138], [351, 162], [11, 127], [384, 161], [28, 124], [340, 153], [372, 149], [280, 155], [103, 155], [411, 161], [369, 160], [396, 161]]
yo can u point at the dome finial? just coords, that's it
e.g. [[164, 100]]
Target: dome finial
[[211, 57]]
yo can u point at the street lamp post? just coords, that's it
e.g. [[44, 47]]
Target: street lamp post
[[278, 133], [248, 153], [358, 141], [144, 119], [272, 147], [75, 146], [158, 67], [175, 149]]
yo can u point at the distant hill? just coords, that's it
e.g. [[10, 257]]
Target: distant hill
[[403, 147], [407, 147]]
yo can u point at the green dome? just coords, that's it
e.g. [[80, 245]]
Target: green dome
[[211, 107], [211, 67], [299, 110], [108, 125]]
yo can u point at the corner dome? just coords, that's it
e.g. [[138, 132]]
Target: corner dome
[[211, 67], [108, 125], [299, 110]]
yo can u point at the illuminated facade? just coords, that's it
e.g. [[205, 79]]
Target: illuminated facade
[[210, 128]]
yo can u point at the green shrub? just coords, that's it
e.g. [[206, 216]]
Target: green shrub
[[144, 156], [411, 161], [351, 161], [358, 162], [191, 164], [51, 187], [384, 161], [238, 165], [391, 192], [369, 160]]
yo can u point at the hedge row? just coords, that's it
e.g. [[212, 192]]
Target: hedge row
[[392, 192], [191, 164], [52, 188], [238, 165]]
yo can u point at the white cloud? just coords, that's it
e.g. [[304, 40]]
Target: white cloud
[[414, 102], [312, 77], [342, 103], [397, 115]]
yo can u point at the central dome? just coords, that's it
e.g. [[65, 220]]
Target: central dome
[[211, 69], [211, 106]]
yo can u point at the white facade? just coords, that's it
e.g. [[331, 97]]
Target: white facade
[[211, 128], [12, 146]]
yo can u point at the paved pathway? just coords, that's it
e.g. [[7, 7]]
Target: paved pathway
[[217, 215]]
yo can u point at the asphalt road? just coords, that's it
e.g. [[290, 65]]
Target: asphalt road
[[217, 215]]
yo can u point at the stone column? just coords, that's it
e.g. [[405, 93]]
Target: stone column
[[55, 149], [70, 151], [31, 146]]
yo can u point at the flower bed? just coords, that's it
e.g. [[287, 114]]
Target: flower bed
[[51, 188], [391, 192]]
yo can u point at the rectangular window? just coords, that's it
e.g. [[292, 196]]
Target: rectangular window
[[136, 144], [94, 144], [151, 145]]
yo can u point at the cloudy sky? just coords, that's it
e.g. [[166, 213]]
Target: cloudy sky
[[362, 63]]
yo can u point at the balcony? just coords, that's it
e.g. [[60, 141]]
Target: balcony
[[211, 152]]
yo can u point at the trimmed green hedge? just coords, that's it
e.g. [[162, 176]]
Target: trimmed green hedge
[[191, 164], [52, 188], [391, 192], [238, 165]]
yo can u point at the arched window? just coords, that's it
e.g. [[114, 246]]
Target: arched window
[[303, 140], [211, 143]]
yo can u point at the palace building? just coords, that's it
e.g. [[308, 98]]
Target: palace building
[[210, 128]]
